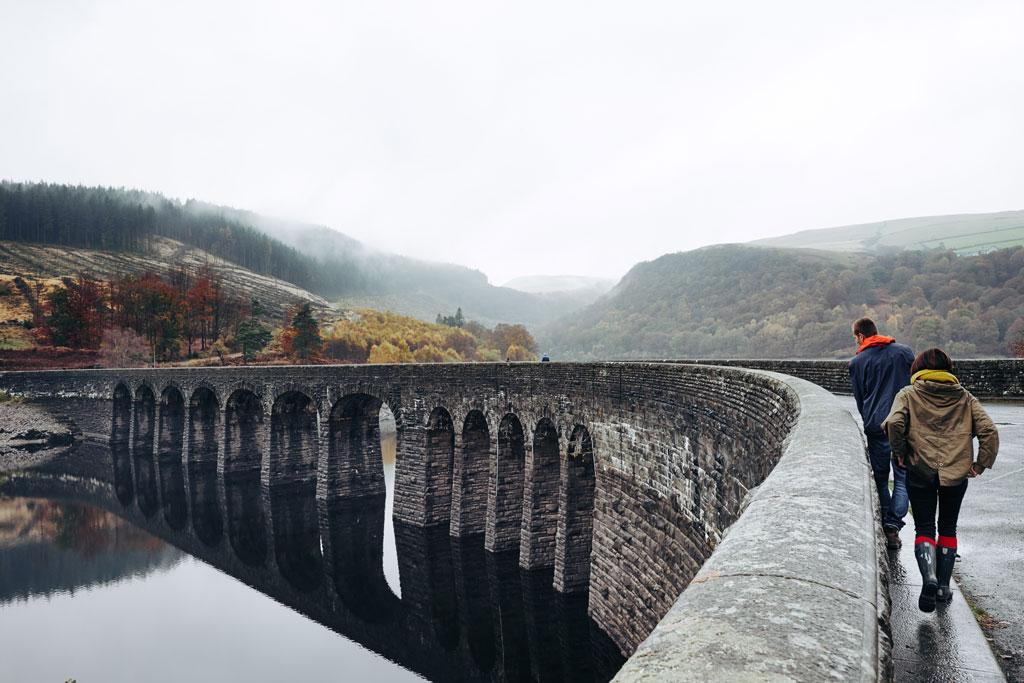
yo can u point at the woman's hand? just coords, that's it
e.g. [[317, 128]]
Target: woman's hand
[[972, 473]]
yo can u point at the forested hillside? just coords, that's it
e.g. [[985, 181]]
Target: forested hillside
[[315, 258], [735, 301]]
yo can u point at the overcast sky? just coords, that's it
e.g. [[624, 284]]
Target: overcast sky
[[527, 137]]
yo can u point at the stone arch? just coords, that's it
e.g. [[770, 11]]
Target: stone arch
[[469, 494], [203, 422], [143, 434], [243, 456], [439, 460], [293, 439], [576, 521], [243, 427], [354, 464], [540, 498], [505, 488], [170, 440], [120, 431]]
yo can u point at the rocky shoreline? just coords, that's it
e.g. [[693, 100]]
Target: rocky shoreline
[[30, 436]]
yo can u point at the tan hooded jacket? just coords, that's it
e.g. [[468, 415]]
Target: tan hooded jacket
[[933, 424]]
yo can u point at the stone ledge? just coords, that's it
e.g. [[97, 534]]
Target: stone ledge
[[793, 590]]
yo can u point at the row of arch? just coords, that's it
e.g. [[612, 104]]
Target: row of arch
[[518, 491]]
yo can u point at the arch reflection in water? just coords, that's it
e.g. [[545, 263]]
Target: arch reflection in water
[[242, 461], [119, 448], [293, 513], [428, 583], [203, 420], [475, 600], [356, 530], [142, 450], [171, 438]]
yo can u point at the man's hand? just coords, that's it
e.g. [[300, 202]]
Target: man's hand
[[973, 472]]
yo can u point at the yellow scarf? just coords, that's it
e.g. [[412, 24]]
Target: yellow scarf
[[934, 376]]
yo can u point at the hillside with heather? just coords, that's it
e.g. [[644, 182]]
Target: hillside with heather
[[736, 301]]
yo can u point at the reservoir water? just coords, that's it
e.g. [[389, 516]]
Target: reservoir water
[[93, 589]]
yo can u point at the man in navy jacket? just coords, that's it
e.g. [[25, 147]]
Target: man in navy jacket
[[879, 370]]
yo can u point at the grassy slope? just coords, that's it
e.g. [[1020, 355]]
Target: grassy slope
[[964, 233]]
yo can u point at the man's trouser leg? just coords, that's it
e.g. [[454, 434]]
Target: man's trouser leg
[[893, 507]]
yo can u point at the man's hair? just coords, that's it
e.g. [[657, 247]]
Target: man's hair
[[865, 326], [932, 359]]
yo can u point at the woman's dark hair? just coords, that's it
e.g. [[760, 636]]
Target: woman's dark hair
[[932, 359]]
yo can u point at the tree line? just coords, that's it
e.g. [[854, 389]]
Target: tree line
[[737, 301], [126, 220]]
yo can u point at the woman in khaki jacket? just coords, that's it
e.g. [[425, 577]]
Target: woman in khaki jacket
[[931, 428]]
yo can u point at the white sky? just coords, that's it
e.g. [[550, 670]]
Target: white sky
[[527, 137]]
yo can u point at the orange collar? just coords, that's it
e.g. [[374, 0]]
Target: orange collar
[[875, 340]]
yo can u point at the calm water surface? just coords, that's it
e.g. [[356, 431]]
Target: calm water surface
[[95, 590]]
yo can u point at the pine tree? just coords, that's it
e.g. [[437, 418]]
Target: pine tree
[[251, 335], [303, 336]]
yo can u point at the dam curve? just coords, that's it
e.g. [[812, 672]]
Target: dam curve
[[721, 520]]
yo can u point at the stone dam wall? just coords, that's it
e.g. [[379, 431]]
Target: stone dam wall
[[987, 379], [723, 519]]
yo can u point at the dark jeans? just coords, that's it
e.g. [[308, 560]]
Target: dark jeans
[[926, 494], [894, 507]]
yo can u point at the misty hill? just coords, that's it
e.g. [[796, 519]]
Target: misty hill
[[964, 233], [540, 284], [357, 276], [738, 301], [320, 260]]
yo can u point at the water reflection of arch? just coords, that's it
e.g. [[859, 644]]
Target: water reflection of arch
[[503, 576], [356, 558], [203, 423], [143, 428], [120, 431], [354, 464], [474, 600], [540, 498], [439, 460], [428, 582], [170, 440], [469, 489], [505, 488], [243, 423], [293, 474], [576, 522], [296, 530]]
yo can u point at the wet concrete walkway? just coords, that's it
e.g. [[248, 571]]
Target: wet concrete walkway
[[948, 644]]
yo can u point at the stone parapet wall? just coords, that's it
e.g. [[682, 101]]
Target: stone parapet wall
[[678, 450], [796, 590], [1001, 378]]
